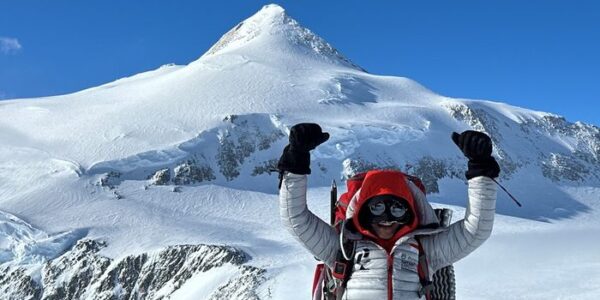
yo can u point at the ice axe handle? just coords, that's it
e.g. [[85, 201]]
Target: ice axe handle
[[333, 199]]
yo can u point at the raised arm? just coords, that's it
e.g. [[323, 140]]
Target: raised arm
[[313, 233], [466, 235], [294, 166]]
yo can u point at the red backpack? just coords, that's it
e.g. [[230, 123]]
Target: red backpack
[[328, 284]]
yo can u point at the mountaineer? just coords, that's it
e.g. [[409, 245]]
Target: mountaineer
[[394, 243]]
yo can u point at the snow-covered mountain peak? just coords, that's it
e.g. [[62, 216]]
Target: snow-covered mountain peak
[[131, 189], [271, 30]]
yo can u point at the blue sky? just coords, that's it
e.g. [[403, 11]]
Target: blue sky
[[543, 55]]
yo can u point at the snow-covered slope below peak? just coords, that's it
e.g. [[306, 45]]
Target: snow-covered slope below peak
[[174, 105], [162, 70]]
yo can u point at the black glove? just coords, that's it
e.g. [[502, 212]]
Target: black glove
[[303, 138], [477, 147]]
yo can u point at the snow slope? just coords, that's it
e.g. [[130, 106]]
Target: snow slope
[[181, 155]]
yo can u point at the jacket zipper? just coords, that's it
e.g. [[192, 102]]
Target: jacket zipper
[[390, 270]]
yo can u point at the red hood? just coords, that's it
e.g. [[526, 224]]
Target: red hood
[[385, 182]]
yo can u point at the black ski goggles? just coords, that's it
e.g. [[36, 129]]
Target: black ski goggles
[[397, 207]]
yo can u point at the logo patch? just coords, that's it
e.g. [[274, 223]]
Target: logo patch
[[409, 262], [362, 258]]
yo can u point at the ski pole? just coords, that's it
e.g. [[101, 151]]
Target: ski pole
[[508, 193], [333, 199]]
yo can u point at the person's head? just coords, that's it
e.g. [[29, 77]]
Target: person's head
[[384, 208], [384, 215]]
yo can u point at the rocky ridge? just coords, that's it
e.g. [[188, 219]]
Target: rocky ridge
[[82, 273]]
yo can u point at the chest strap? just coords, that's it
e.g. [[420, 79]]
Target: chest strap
[[424, 278]]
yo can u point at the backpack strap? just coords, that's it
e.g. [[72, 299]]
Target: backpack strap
[[342, 270], [423, 268]]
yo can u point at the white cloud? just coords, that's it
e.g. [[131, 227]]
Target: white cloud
[[9, 45]]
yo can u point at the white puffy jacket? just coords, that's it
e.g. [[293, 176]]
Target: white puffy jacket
[[381, 274]]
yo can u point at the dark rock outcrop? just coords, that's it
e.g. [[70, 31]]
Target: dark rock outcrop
[[191, 172], [82, 273], [161, 177]]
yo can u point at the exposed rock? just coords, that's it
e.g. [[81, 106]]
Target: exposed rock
[[16, 283], [117, 195], [239, 142], [225, 150], [242, 287], [583, 162], [560, 167], [430, 170], [228, 161], [265, 167], [477, 119], [190, 172], [556, 166], [82, 273], [266, 140], [110, 180], [155, 276], [161, 177], [70, 275], [480, 120]]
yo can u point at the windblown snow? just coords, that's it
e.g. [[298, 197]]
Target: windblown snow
[[183, 155]]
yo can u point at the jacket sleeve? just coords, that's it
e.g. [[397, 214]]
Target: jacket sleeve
[[314, 234], [464, 236]]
